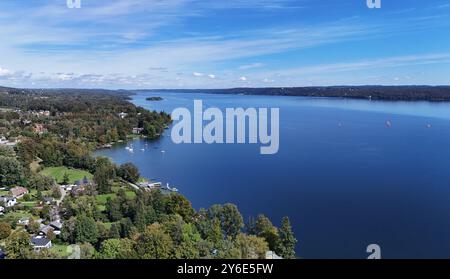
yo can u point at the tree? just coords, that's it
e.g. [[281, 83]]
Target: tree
[[232, 221], [114, 231], [188, 247], [86, 230], [11, 171], [127, 229], [41, 182], [68, 230], [113, 209], [214, 235], [7, 151], [51, 235], [87, 251], [264, 228], [66, 179], [5, 230], [56, 192], [286, 244], [129, 172], [251, 247], [154, 243], [178, 204], [104, 173], [17, 245], [117, 249], [33, 227]]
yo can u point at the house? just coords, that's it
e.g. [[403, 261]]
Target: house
[[137, 131], [57, 227], [18, 192], [48, 200], [39, 129], [8, 201], [45, 230], [40, 242], [77, 191], [2, 209], [24, 221], [83, 182], [123, 115], [270, 255]]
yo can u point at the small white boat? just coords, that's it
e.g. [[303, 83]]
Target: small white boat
[[389, 124], [163, 151], [142, 149]]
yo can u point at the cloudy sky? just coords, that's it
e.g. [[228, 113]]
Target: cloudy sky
[[217, 44]]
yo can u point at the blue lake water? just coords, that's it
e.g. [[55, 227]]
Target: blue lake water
[[344, 177]]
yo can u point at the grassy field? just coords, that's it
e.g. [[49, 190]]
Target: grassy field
[[61, 250], [101, 199], [58, 173]]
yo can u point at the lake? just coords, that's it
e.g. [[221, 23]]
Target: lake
[[348, 173]]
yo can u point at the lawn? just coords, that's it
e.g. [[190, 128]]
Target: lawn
[[58, 173], [61, 250], [4, 193], [101, 199]]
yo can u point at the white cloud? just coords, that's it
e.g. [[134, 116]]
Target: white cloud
[[5, 72], [212, 76], [196, 74], [243, 78], [251, 66]]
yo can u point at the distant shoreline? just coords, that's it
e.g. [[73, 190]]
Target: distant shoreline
[[382, 93]]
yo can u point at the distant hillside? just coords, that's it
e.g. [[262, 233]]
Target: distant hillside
[[390, 93]]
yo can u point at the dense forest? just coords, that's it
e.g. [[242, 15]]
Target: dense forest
[[388, 93], [48, 137]]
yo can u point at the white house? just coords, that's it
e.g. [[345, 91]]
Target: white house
[[8, 201], [2, 209], [40, 242]]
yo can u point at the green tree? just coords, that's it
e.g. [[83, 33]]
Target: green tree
[[154, 243], [5, 230], [66, 179], [17, 245], [178, 204], [286, 245], [33, 226], [264, 228], [68, 230], [129, 172], [41, 182], [127, 229], [7, 151], [56, 192], [113, 209], [215, 235], [251, 246], [104, 174], [11, 171], [86, 230], [232, 221], [114, 231], [117, 249]]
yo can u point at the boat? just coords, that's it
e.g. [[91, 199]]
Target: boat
[[163, 151], [388, 124]]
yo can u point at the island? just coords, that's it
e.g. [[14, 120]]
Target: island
[[153, 99], [59, 201]]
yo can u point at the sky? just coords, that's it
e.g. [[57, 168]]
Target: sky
[[137, 44]]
